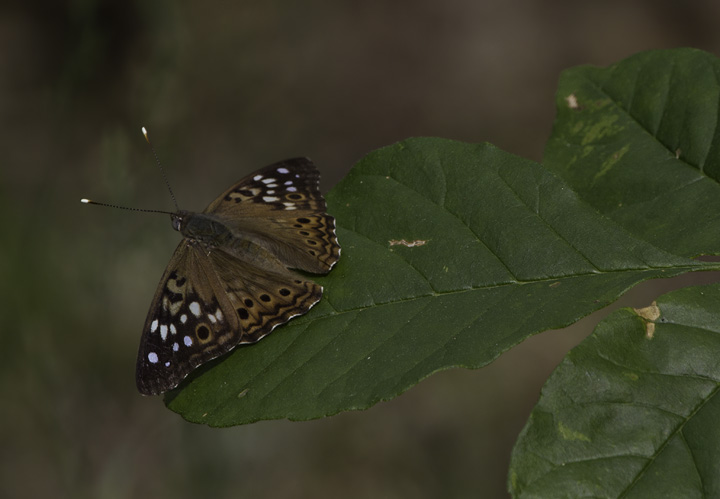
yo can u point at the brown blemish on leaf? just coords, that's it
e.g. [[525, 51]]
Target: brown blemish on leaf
[[649, 330], [650, 315], [409, 244]]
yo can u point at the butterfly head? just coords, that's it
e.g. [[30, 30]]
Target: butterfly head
[[179, 220]]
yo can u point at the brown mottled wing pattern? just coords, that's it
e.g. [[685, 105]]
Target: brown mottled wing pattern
[[191, 321], [281, 208], [263, 297], [222, 290]]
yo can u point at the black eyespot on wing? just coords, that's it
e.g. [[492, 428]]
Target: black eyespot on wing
[[265, 298], [248, 303], [243, 313], [284, 291], [203, 333]]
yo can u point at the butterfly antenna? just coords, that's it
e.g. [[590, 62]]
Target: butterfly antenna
[[167, 183], [90, 201]]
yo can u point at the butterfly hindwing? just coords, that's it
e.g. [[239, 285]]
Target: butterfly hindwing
[[263, 294]]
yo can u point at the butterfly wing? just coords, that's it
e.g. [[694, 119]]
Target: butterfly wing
[[262, 292], [280, 207], [207, 302], [191, 321], [216, 294]]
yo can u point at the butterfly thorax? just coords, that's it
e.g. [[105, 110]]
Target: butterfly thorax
[[202, 227]]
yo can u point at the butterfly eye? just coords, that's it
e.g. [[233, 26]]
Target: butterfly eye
[[176, 222]]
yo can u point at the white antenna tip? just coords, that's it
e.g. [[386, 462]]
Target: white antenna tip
[[144, 131], [83, 200]]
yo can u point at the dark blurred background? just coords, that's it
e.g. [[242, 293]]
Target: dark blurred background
[[224, 88]]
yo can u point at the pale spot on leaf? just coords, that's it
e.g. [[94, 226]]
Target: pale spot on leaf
[[568, 434], [572, 101], [409, 244], [650, 315]]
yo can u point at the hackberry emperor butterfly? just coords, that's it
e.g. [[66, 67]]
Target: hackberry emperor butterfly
[[229, 282]]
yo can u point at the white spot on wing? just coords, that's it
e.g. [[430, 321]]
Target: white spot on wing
[[219, 315], [167, 364], [187, 340], [270, 199], [183, 318], [172, 329], [283, 170], [212, 318], [153, 358], [292, 189], [163, 332], [195, 309], [268, 180], [176, 347], [257, 177], [153, 326]]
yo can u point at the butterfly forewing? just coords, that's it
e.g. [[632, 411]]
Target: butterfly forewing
[[228, 281], [191, 321], [289, 185], [281, 206]]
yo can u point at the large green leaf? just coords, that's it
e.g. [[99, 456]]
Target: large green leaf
[[452, 254], [640, 142], [633, 411]]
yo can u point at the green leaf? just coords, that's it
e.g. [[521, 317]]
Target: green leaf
[[640, 142], [632, 411], [452, 254]]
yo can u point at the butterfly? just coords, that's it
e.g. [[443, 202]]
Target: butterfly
[[229, 281]]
